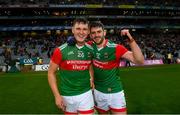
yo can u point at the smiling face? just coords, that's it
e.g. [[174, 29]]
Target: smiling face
[[97, 34], [80, 31]]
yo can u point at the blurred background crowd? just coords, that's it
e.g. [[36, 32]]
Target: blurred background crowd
[[33, 28]]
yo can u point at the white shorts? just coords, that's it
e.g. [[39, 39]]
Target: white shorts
[[113, 101], [83, 103]]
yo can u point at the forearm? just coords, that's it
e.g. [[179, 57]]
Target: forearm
[[137, 53], [53, 84], [91, 72]]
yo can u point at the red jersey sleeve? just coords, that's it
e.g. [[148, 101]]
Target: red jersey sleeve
[[56, 56], [120, 50]]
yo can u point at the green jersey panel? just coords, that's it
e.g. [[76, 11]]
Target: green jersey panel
[[73, 72], [74, 82], [106, 63]]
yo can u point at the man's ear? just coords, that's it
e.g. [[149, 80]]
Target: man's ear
[[104, 33], [72, 30], [90, 36]]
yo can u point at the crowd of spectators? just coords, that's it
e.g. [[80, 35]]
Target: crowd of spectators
[[41, 45], [154, 46], [158, 45], [163, 45], [104, 2]]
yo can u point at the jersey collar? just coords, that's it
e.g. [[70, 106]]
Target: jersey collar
[[79, 47]]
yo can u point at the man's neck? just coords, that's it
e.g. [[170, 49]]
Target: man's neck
[[80, 44]]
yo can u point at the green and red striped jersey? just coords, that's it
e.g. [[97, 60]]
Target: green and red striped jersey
[[74, 65], [106, 63]]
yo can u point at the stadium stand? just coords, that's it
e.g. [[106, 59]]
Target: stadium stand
[[106, 2], [33, 28]]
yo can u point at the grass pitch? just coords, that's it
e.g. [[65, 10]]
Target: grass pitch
[[152, 89]]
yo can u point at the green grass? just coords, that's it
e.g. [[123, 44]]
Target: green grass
[[148, 90], [26, 93], [152, 89]]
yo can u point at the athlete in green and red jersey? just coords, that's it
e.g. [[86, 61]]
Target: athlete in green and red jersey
[[74, 62], [108, 91]]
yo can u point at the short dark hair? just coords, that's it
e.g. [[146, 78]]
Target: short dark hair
[[80, 20], [95, 24]]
